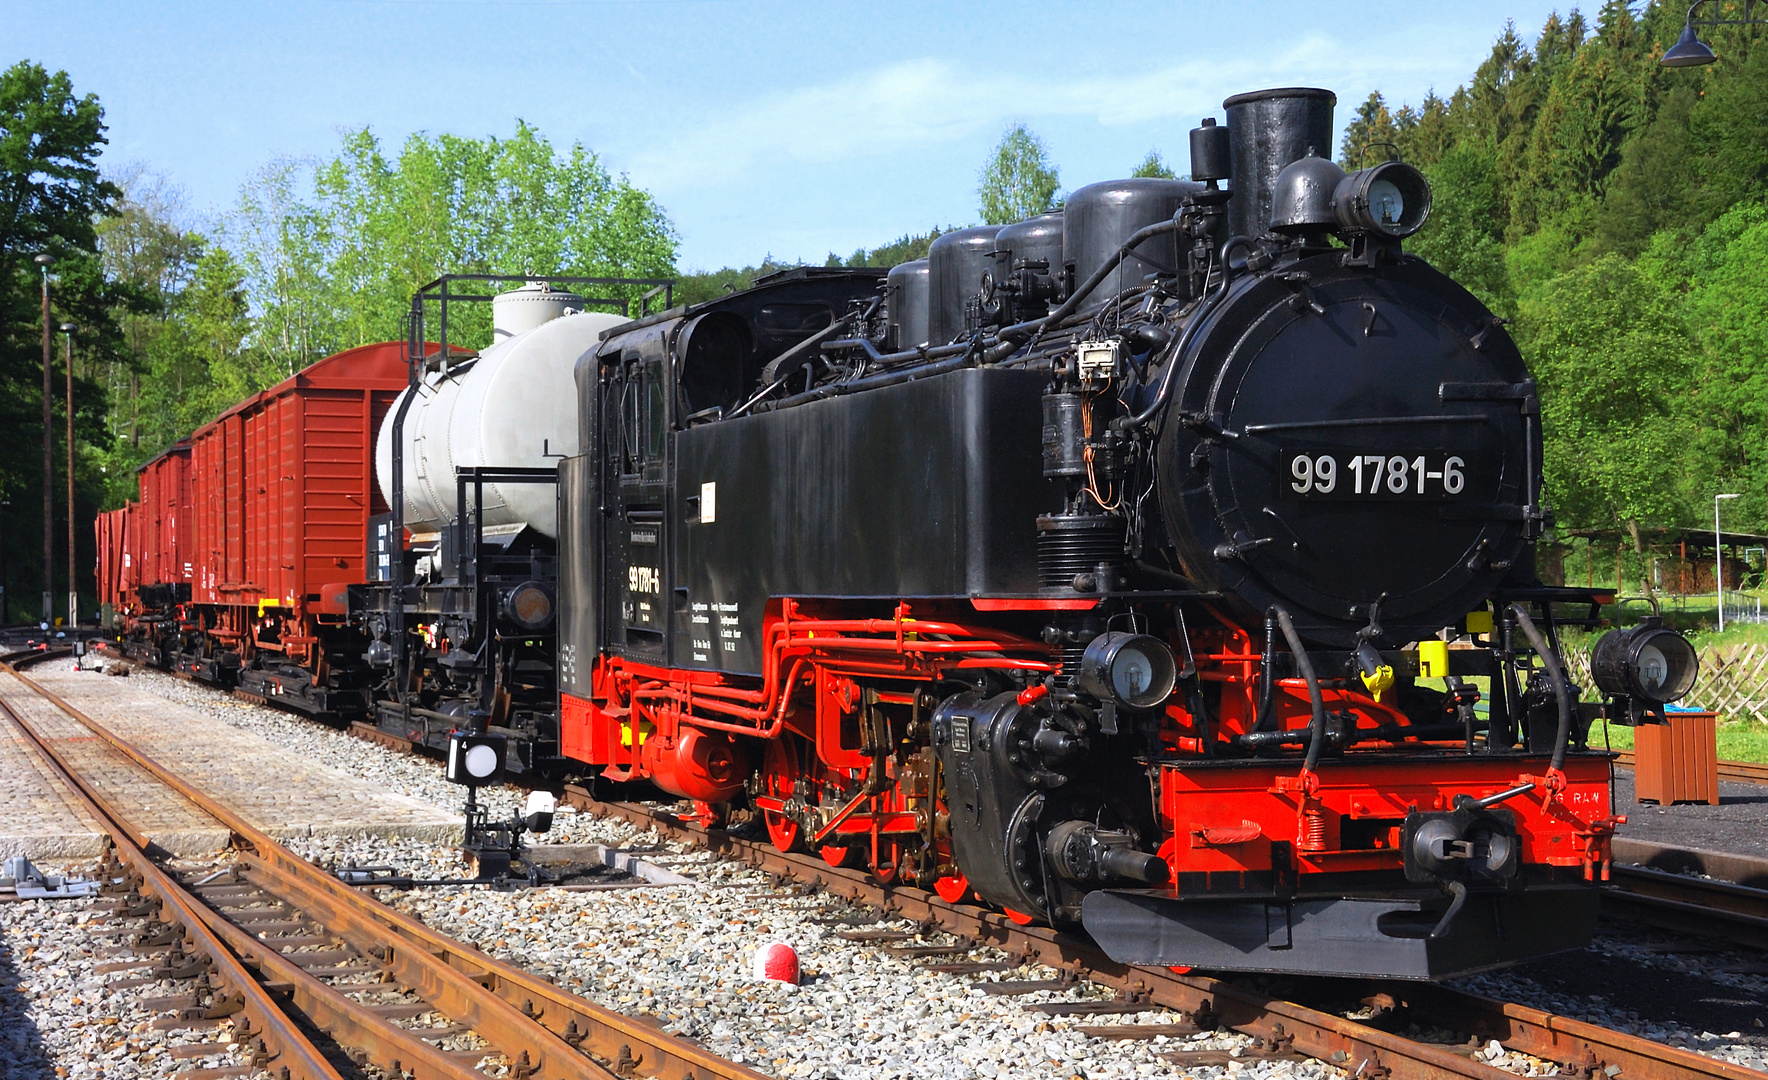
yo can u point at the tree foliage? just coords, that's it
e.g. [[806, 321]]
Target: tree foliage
[[1019, 181], [333, 250], [1153, 167], [1614, 208], [1612, 355], [51, 198]]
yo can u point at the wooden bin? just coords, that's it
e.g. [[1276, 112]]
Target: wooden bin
[[1678, 761]]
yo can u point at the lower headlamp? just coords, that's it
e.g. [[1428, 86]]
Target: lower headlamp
[[1649, 662], [1134, 670], [529, 606]]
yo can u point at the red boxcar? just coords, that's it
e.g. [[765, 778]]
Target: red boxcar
[[284, 482], [162, 534], [263, 514], [116, 558]]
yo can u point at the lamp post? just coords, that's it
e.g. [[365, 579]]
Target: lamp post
[[1690, 50], [68, 330], [44, 261], [1719, 560], [5, 607]]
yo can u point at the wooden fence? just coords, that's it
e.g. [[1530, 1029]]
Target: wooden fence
[[1733, 680]]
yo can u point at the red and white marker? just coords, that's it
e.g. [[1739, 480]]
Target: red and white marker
[[778, 961]]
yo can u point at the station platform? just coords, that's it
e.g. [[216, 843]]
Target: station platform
[[279, 790], [166, 818], [1739, 824], [39, 817]]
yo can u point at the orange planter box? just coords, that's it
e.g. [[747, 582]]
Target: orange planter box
[[1678, 761]]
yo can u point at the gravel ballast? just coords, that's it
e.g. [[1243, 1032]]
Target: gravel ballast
[[682, 954], [62, 1019]]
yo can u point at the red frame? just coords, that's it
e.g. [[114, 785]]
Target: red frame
[[1221, 819]]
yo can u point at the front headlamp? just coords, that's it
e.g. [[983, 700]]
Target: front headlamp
[[1134, 670], [1648, 662], [1392, 199]]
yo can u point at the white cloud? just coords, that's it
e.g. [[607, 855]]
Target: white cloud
[[848, 160], [922, 103]]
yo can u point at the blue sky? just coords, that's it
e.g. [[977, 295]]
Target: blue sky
[[784, 128]]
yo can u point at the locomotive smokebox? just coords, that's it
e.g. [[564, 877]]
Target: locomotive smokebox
[[1269, 129]]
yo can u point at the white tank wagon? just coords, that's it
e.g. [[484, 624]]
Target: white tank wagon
[[514, 405]]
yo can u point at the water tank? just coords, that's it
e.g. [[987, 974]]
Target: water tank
[[955, 265], [1100, 217], [520, 310], [512, 406], [1036, 239], [909, 291], [1267, 130]]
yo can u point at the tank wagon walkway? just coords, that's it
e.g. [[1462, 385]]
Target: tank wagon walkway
[[282, 792]]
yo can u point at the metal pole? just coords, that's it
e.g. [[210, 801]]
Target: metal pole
[[43, 262], [1719, 561], [67, 330]]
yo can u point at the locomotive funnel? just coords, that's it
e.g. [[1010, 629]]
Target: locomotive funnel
[[1269, 129]]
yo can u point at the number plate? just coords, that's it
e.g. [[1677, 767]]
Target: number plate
[[1342, 474]]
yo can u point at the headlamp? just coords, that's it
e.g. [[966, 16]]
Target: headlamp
[[1647, 661], [1392, 199], [1134, 670]]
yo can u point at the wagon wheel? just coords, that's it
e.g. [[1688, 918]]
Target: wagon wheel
[[779, 776]]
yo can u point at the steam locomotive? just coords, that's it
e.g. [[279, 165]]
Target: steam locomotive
[[1139, 566]]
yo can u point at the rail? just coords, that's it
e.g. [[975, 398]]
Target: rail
[[1362, 1049], [544, 1032]]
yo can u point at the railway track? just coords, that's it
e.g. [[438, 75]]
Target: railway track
[[1655, 885], [1744, 772], [1368, 1048], [307, 969], [1371, 1047]]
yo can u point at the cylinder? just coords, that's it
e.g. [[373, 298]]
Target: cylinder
[[907, 312], [1065, 435], [955, 265], [1267, 130], [1100, 217], [516, 405]]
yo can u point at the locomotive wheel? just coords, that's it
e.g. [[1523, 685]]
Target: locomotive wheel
[[952, 889], [841, 856], [779, 775]]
